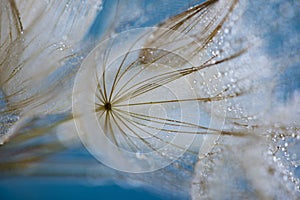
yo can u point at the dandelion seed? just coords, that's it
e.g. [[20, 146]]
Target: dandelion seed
[[145, 98]]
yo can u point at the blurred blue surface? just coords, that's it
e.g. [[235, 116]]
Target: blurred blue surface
[[35, 189]]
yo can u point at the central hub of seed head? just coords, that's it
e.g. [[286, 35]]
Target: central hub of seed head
[[107, 106]]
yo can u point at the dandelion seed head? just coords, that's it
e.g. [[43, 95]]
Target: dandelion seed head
[[200, 85]]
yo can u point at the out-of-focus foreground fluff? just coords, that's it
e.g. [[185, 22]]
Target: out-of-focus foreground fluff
[[223, 76]]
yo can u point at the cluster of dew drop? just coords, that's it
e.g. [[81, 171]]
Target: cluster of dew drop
[[7, 119], [237, 80], [283, 152], [228, 81]]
